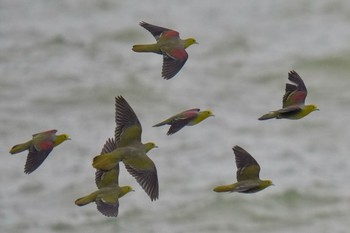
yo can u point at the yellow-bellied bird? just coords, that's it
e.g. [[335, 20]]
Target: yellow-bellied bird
[[293, 101], [169, 45], [189, 117], [130, 150], [39, 148], [248, 170], [108, 193]]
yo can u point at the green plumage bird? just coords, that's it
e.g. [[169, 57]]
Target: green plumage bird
[[39, 148], [248, 170], [169, 45], [110, 146], [108, 193], [186, 118], [130, 150], [293, 101]]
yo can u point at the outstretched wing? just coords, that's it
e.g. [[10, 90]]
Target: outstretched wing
[[156, 31], [109, 146], [35, 158], [179, 120], [103, 178], [247, 167], [173, 62], [108, 209], [108, 204], [128, 127], [46, 133], [294, 94], [188, 114], [107, 178], [176, 126], [145, 173]]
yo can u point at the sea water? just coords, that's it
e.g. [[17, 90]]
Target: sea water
[[63, 62]]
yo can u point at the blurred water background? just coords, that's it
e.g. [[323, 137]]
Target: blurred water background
[[63, 62]]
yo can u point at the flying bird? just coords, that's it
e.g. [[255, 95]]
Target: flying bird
[[186, 118], [108, 193], [130, 150], [39, 148], [293, 101], [169, 45], [248, 170]]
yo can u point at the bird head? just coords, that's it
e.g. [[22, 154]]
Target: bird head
[[124, 190], [202, 115], [312, 107], [208, 113], [315, 108], [61, 138], [189, 41], [149, 146], [266, 183]]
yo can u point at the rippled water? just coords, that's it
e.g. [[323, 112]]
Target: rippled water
[[62, 63]]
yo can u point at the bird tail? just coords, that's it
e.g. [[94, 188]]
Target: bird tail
[[269, 115], [223, 188], [86, 199], [146, 48], [104, 162], [20, 147], [165, 122], [160, 124]]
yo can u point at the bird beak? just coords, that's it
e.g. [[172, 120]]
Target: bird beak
[[69, 139]]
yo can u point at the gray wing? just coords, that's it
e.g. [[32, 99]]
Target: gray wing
[[109, 210], [156, 31]]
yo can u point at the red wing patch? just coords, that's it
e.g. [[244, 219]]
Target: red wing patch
[[170, 34]]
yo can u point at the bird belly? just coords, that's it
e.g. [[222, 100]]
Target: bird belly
[[294, 115]]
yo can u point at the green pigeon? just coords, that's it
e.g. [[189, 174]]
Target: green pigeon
[[169, 45], [108, 193], [39, 148], [110, 146], [248, 170], [130, 150], [189, 117], [293, 101]]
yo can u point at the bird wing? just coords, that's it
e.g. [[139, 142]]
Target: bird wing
[[191, 113], [173, 61], [294, 94], [144, 171], [109, 146], [108, 205], [35, 158], [44, 141], [108, 209], [48, 132], [179, 120], [128, 127], [110, 196], [247, 167], [102, 178], [246, 187], [156, 31], [43, 144], [290, 109], [179, 124], [107, 178]]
